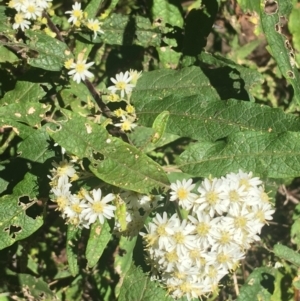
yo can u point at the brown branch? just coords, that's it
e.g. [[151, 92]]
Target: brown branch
[[53, 27]]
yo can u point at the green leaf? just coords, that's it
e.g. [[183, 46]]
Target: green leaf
[[280, 47], [141, 138], [72, 248], [268, 155], [99, 237], [36, 146], [51, 53], [126, 30], [137, 286], [35, 287], [168, 12], [287, 254], [15, 223], [123, 165], [198, 118], [257, 285], [7, 56], [159, 125], [251, 77], [5, 25], [23, 92], [159, 84], [93, 8], [294, 25], [123, 261], [31, 113], [295, 229], [249, 5]]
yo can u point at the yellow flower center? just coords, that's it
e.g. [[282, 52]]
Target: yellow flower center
[[76, 208], [264, 196], [222, 258], [240, 222], [80, 68], [77, 13], [225, 238], [126, 126], [121, 85], [211, 197], [62, 202], [31, 9], [161, 230], [19, 18], [179, 238], [172, 256], [245, 182], [182, 193], [202, 229], [234, 196], [98, 207]]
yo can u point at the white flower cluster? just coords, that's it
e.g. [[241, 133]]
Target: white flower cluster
[[137, 208], [78, 18], [81, 209], [121, 91], [190, 256], [27, 10]]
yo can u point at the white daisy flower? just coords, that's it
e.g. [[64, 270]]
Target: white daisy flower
[[183, 238], [94, 25], [203, 223], [21, 22], [31, 10], [80, 70], [63, 169], [181, 191], [98, 207], [122, 84], [245, 179], [74, 208], [135, 75], [43, 3], [76, 14], [126, 124], [160, 230], [210, 197]]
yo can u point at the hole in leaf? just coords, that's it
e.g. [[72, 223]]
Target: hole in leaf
[[288, 45], [271, 7], [13, 230], [278, 28], [24, 200], [290, 74], [98, 156]]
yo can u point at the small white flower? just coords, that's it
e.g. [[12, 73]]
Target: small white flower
[[63, 169], [210, 197], [76, 14], [31, 10], [126, 124], [80, 70], [182, 191], [21, 22], [94, 25], [98, 207], [122, 84], [135, 75], [160, 230], [43, 3], [74, 208]]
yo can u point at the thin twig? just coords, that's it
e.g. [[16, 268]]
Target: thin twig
[[236, 286], [53, 27], [289, 197]]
